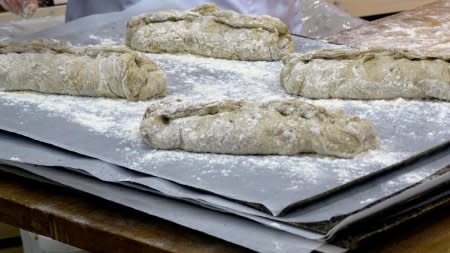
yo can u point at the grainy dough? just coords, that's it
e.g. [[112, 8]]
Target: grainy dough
[[55, 67], [210, 32], [367, 74], [286, 127]]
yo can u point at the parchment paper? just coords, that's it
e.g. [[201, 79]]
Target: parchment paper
[[228, 227], [108, 130], [15, 148], [195, 79]]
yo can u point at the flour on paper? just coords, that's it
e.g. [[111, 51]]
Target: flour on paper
[[404, 127]]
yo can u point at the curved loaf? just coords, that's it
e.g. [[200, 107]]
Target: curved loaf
[[367, 74], [55, 67], [277, 127], [208, 31]]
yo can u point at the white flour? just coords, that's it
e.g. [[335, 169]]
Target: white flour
[[405, 127]]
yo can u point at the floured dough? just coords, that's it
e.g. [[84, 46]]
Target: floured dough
[[367, 74], [277, 127], [54, 67], [210, 32]]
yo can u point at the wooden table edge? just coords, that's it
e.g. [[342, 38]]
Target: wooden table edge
[[93, 224]]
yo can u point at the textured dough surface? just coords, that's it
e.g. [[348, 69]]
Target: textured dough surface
[[208, 31], [367, 74], [55, 67], [286, 127]]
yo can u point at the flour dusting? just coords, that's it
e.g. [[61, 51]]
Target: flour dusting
[[405, 128]]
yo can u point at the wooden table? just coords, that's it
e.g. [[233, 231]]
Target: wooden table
[[430, 234], [363, 8], [97, 225], [93, 224]]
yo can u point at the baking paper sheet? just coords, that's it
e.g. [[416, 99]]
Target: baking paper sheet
[[109, 130], [227, 227], [434, 182], [199, 78], [19, 149], [320, 18]]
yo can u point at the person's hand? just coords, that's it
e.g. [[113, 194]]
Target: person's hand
[[24, 8]]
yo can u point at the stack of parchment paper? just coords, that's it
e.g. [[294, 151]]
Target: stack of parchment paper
[[266, 203]]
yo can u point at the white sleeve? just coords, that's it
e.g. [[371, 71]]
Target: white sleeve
[[287, 10]]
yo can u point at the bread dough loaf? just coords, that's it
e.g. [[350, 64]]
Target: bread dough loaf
[[55, 67], [277, 127], [210, 32], [367, 74]]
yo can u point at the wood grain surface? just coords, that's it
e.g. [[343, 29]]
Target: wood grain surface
[[375, 7], [94, 224], [7, 231], [427, 234], [99, 226]]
